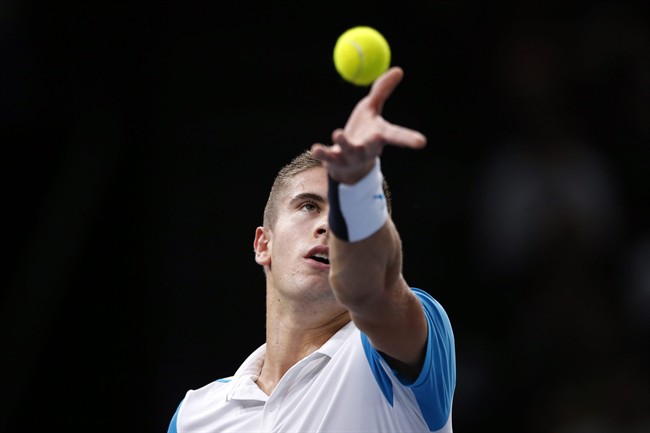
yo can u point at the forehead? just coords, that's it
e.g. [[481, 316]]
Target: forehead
[[313, 180]]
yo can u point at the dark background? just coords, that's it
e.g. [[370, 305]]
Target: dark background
[[140, 141]]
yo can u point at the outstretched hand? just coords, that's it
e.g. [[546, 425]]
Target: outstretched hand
[[366, 133]]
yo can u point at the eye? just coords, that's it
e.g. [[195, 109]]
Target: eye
[[309, 206]]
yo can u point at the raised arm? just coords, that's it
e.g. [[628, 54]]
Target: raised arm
[[366, 254]]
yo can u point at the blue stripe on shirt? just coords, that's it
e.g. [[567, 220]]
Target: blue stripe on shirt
[[172, 424], [434, 387]]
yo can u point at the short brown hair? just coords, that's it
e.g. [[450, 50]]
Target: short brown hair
[[302, 162]]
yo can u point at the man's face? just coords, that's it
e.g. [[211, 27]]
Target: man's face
[[296, 250]]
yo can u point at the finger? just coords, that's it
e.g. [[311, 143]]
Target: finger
[[324, 153], [404, 137], [384, 86], [319, 151], [342, 141], [336, 133]]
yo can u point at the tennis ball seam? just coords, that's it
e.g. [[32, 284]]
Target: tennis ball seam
[[359, 72]]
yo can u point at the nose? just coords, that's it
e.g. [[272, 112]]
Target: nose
[[322, 228]]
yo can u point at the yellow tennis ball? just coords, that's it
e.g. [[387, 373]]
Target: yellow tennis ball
[[361, 54]]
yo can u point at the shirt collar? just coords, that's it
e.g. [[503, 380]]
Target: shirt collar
[[243, 386], [332, 345]]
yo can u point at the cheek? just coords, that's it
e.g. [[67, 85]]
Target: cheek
[[281, 243], [286, 241]]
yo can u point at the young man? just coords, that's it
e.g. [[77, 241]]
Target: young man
[[350, 346]]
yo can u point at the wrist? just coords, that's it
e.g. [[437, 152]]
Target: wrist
[[358, 210]]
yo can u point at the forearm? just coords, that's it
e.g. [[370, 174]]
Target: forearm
[[366, 278], [365, 248], [365, 270]]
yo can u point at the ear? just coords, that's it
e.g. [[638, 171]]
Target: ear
[[262, 246]]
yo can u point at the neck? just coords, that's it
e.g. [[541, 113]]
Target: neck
[[293, 331]]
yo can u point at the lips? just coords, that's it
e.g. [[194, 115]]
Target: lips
[[319, 254], [323, 258]]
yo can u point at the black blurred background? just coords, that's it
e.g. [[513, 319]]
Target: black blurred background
[[140, 141]]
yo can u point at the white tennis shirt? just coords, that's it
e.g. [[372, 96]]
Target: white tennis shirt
[[345, 386]]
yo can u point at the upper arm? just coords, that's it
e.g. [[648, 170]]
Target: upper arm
[[434, 386]]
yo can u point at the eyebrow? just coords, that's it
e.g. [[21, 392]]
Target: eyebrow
[[306, 196]]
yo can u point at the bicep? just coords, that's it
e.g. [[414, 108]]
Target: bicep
[[397, 328], [434, 385]]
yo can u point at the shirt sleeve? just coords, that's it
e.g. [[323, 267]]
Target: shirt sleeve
[[434, 387], [172, 424]]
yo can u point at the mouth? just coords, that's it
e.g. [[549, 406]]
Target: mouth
[[321, 258]]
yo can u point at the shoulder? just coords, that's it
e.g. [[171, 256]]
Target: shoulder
[[197, 399], [435, 386], [210, 391], [434, 311], [427, 300]]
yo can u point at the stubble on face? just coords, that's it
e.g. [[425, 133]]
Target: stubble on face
[[303, 210]]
